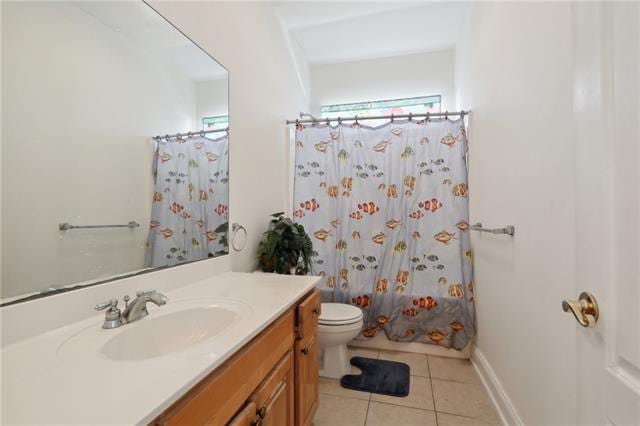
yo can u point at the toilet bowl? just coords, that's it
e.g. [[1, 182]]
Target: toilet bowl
[[338, 324]]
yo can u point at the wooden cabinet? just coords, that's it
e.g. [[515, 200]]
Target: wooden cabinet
[[272, 381], [246, 416], [306, 360], [274, 398]]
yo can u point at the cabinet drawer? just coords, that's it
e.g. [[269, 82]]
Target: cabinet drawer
[[308, 314], [217, 397]]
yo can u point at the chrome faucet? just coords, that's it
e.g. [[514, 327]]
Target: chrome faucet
[[138, 307], [133, 311]]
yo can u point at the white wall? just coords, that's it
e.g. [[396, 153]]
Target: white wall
[[420, 74], [212, 98], [72, 152], [522, 168], [264, 91]]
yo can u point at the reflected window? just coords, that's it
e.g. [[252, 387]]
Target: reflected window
[[215, 123]]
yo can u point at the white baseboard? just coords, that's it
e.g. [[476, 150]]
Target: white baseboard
[[503, 404], [382, 343]]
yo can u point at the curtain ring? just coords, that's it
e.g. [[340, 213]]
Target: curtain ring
[[328, 122], [446, 115], [297, 122], [428, 115], [166, 137], [357, 124], [339, 120], [189, 135], [392, 118], [202, 133], [410, 116]]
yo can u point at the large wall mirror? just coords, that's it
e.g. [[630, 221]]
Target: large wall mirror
[[114, 146]]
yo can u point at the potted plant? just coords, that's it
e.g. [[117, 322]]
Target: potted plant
[[285, 248]]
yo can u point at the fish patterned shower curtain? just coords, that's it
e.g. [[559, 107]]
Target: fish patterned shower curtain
[[189, 213], [387, 211]]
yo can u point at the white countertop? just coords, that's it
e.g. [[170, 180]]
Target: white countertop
[[41, 385]]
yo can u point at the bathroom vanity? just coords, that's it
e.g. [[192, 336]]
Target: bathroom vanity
[[273, 380], [232, 348]]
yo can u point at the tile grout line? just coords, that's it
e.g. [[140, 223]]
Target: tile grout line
[[464, 416], [433, 394], [410, 407], [366, 415]]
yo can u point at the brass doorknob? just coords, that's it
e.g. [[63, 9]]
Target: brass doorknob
[[585, 309]]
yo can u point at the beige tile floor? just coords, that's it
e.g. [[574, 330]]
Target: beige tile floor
[[443, 391]]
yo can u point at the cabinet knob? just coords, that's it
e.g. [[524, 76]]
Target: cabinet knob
[[262, 412], [317, 311], [305, 350]]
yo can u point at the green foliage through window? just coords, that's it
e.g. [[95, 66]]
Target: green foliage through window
[[215, 122], [415, 105]]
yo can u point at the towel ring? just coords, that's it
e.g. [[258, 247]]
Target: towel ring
[[235, 228]]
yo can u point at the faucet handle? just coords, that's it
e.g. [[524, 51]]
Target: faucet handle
[[141, 293], [111, 304], [112, 318]]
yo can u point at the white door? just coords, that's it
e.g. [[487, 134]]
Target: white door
[[607, 186]]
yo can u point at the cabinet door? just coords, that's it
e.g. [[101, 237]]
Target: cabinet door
[[307, 368], [246, 417], [274, 397]]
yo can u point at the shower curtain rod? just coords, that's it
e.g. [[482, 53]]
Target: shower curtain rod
[[391, 117], [189, 134]]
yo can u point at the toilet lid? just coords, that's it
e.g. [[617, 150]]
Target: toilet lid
[[339, 313]]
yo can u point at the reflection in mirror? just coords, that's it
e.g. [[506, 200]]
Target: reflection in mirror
[[114, 146]]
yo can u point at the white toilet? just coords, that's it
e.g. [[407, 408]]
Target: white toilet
[[339, 323]]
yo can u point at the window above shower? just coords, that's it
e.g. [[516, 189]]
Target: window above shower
[[421, 104]]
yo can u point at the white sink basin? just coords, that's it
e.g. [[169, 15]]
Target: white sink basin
[[175, 327]]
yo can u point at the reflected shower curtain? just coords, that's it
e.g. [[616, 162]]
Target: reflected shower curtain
[[387, 211], [190, 201]]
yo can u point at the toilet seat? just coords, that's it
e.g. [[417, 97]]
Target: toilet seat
[[335, 314]]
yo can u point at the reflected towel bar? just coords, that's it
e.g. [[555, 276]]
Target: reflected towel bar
[[67, 226], [509, 229]]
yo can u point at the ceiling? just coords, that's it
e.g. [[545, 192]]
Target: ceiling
[[149, 32], [330, 32]]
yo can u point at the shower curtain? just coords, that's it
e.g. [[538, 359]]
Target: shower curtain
[[189, 214], [387, 211]]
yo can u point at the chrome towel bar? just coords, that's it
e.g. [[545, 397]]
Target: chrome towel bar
[[509, 229], [67, 226]]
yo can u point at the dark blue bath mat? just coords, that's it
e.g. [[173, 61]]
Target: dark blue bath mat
[[378, 376]]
